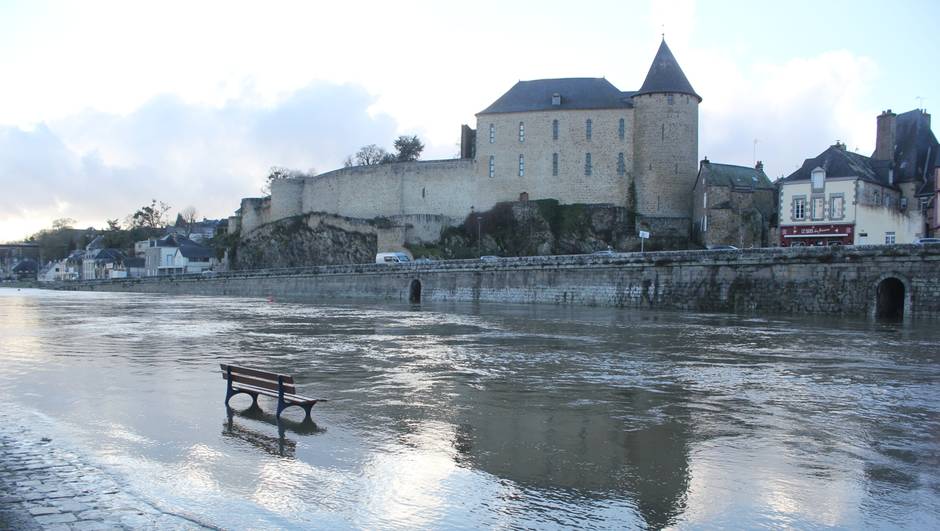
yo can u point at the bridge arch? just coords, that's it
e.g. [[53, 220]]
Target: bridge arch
[[892, 297]]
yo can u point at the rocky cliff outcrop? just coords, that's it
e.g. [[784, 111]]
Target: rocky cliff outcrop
[[543, 227], [311, 239]]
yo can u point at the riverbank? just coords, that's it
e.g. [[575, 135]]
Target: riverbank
[[891, 281], [45, 485]]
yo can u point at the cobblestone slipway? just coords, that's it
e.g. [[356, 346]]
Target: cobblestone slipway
[[46, 486]]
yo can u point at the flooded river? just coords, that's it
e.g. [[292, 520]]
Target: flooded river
[[487, 416]]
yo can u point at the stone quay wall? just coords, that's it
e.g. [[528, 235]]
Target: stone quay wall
[[798, 280]]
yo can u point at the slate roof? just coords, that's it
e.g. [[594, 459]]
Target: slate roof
[[109, 255], [916, 147], [187, 247], [575, 92], [740, 177], [665, 75], [839, 162], [27, 265], [97, 243]]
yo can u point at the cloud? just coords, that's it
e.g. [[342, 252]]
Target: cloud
[[794, 109], [92, 166]]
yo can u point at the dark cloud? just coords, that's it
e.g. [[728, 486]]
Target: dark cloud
[[93, 165]]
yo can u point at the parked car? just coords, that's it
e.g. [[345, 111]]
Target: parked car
[[927, 241], [489, 258], [392, 258], [424, 260], [722, 248]]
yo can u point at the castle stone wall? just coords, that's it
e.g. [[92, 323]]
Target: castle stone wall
[[286, 198], [386, 190], [256, 211]]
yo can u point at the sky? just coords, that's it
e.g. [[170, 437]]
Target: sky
[[105, 105]]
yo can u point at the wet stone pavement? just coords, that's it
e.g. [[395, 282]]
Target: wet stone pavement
[[44, 487]]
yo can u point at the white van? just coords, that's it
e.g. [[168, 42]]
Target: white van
[[392, 258]]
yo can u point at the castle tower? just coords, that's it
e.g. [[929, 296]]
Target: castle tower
[[665, 146]]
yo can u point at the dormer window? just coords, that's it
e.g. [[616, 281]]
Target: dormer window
[[818, 178], [556, 99]]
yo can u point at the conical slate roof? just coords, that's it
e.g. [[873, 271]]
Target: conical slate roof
[[665, 75]]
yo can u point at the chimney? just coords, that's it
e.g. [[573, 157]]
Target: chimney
[[759, 166], [886, 136]]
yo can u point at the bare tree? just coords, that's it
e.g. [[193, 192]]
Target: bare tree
[[63, 223], [152, 216], [189, 216], [370, 155]]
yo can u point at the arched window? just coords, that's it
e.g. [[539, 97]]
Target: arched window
[[622, 129], [588, 169], [588, 126], [555, 164], [621, 165], [554, 129]]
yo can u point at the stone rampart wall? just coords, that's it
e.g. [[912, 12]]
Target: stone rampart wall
[[780, 280]]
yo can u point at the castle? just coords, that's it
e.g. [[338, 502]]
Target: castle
[[576, 140]]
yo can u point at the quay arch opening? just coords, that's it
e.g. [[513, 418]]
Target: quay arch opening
[[890, 299], [414, 292]]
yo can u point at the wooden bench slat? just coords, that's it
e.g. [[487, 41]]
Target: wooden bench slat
[[288, 397], [257, 382], [288, 379]]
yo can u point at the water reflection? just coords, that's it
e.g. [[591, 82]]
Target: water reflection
[[280, 445]]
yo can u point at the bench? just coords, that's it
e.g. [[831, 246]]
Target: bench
[[254, 382]]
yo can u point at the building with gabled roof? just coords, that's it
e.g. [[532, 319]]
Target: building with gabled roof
[[841, 197], [733, 205]]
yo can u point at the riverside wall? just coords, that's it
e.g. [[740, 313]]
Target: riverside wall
[[797, 280]]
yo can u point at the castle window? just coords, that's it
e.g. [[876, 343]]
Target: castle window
[[670, 99], [521, 132], [621, 165], [587, 129], [889, 238], [492, 166], [799, 209], [622, 129], [587, 165], [554, 129], [521, 165], [492, 133], [555, 164]]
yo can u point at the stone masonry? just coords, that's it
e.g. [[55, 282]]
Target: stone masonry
[[798, 280], [44, 486]]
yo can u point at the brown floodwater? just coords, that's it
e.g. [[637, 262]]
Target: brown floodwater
[[487, 416]]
